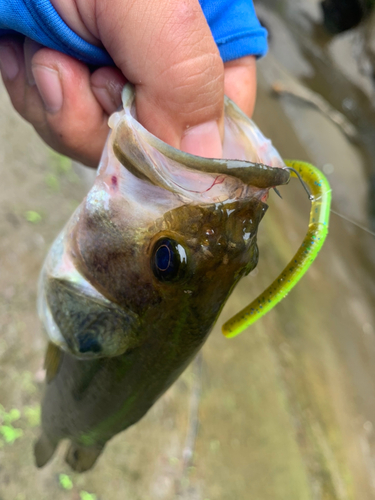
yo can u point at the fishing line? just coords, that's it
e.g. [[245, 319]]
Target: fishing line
[[372, 233], [353, 222]]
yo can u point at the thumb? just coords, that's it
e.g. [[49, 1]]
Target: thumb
[[166, 49]]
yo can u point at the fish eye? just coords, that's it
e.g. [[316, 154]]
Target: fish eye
[[169, 260]]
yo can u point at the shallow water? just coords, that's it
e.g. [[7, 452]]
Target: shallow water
[[284, 411]]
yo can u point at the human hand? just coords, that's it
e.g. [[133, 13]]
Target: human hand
[[165, 48]]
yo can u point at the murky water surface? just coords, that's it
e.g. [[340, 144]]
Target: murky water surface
[[286, 410]]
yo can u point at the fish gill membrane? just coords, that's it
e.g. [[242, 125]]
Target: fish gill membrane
[[134, 283]]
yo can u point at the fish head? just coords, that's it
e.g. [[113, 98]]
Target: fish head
[[157, 245]]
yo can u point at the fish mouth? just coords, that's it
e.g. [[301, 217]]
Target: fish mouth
[[89, 325], [196, 178]]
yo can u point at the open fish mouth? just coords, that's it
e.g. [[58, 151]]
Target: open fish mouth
[[256, 166]]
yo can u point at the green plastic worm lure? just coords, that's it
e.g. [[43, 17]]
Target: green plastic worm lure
[[320, 196]]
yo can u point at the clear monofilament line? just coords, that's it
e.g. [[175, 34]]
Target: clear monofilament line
[[357, 224]]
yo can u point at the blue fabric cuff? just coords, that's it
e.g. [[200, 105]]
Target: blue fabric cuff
[[235, 28], [246, 45], [38, 19], [233, 23]]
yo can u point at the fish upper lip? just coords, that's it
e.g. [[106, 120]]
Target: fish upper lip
[[255, 174], [128, 129]]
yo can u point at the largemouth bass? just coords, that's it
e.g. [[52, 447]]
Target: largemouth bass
[[134, 283]]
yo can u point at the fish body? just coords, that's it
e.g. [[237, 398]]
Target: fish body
[[133, 285]]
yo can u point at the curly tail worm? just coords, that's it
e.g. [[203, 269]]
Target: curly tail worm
[[320, 196]]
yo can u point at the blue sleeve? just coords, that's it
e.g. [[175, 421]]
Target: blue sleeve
[[233, 23], [37, 19], [235, 28]]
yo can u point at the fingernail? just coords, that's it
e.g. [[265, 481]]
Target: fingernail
[[106, 100], [8, 62], [49, 85], [203, 140]]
